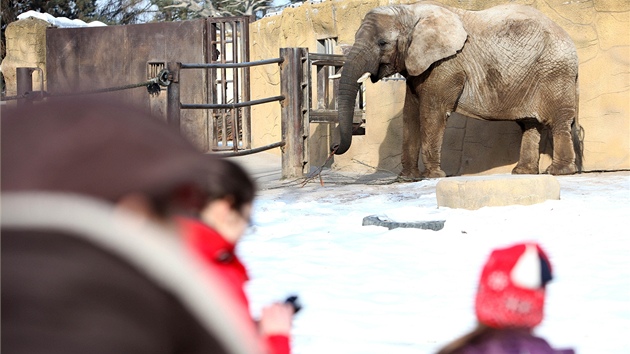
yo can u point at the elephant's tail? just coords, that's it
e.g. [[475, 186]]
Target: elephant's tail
[[577, 131]]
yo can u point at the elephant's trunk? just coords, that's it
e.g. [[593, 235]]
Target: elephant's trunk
[[360, 60]]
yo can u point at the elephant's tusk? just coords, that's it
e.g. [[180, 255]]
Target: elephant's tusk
[[363, 78], [334, 77]]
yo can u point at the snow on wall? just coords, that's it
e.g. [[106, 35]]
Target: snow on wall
[[62, 22]]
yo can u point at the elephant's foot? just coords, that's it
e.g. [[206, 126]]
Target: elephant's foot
[[438, 173], [525, 170], [556, 170], [405, 179], [409, 175]]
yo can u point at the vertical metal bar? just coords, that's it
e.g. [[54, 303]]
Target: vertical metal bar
[[224, 112], [173, 105], [212, 82], [210, 56], [235, 85], [291, 75], [24, 77], [246, 119]]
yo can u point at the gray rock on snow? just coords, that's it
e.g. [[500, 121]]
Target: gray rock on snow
[[377, 220]]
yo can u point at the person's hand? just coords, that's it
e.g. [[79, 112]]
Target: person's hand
[[276, 319]]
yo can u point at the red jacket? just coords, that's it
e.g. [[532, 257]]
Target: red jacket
[[219, 254]]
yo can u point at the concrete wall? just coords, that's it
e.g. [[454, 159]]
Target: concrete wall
[[83, 59], [599, 28]]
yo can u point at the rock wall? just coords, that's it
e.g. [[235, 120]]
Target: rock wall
[[599, 28], [26, 47]]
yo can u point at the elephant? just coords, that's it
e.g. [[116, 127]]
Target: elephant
[[508, 62]]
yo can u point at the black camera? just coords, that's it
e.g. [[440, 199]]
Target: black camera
[[294, 302]]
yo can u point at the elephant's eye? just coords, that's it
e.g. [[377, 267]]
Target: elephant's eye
[[382, 43]]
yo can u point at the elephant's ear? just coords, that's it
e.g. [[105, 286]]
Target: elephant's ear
[[438, 34]]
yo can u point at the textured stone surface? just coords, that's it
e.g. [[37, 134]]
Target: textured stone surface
[[474, 192], [435, 225], [599, 29], [26, 48]]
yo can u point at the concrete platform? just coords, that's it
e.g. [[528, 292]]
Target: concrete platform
[[474, 192]]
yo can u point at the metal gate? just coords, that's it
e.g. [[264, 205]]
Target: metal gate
[[228, 43], [232, 118]]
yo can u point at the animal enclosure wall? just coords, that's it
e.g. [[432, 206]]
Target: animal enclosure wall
[[100, 57], [93, 58], [599, 29]]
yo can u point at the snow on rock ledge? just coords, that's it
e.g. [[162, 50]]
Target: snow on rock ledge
[[62, 22], [498, 190]]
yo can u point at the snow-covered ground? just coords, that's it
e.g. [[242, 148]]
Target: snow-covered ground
[[367, 289]]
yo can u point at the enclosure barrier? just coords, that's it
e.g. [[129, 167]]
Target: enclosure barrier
[[26, 95], [295, 100], [294, 87]]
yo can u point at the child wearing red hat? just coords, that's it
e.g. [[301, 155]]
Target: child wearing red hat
[[509, 304]]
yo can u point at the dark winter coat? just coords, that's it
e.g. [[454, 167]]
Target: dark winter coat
[[78, 277], [506, 341]]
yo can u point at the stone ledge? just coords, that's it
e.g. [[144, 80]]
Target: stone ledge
[[475, 192]]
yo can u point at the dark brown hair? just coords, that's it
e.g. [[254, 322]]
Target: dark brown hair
[[228, 180]]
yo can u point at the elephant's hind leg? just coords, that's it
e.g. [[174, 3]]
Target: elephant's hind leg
[[563, 151], [529, 155]]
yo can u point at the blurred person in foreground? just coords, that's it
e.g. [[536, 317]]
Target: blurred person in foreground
[[509, 304], [91, 261], [223, 221]]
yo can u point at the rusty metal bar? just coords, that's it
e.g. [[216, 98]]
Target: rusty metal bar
[[24, 77], [336, 59], [231, 65], [236, 123], [224, 84], [231, 105], [213, 55], [173, 105], [329, 115], [247, 114], [251, 151]]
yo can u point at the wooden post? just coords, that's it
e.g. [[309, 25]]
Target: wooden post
[[292, 112], [173, 103]]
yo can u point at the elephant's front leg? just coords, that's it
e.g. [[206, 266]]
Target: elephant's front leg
[[411, 138], [529, 156], [432, 126]]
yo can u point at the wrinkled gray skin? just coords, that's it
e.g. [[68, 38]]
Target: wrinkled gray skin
[[508, 62]]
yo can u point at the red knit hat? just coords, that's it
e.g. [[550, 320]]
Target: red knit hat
[[512, 287]]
